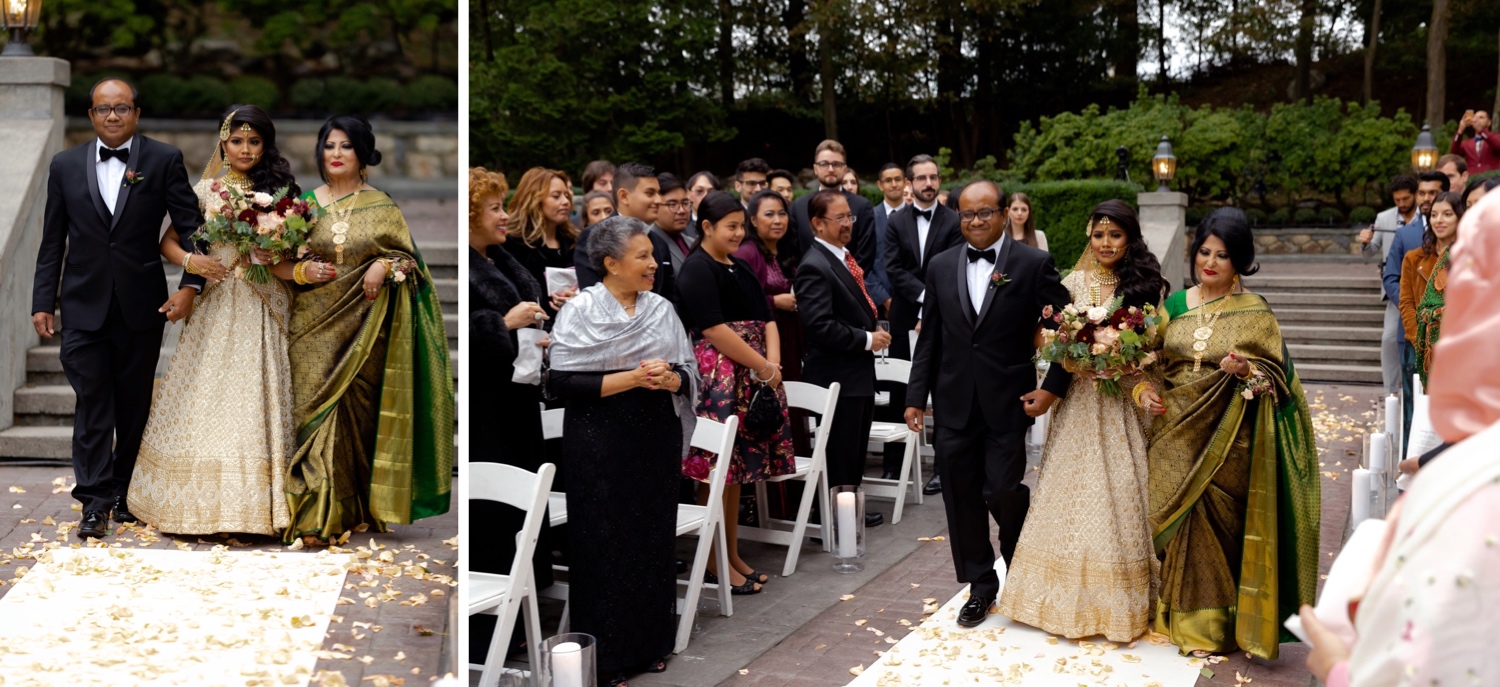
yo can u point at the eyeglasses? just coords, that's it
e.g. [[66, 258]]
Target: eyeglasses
[[841, 219], [829, 164], [103, 111], [934, 178], [753, 184], [982, 214], [678, 205]]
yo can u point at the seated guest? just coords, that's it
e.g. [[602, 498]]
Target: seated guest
[[782, 182], [541, 235], [738, 349], [625, 369], [1023, 222], [596, 206], [1424, 278], [503, 297], [598, 176]]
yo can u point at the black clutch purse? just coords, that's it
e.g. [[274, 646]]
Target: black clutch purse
[[765, 412]]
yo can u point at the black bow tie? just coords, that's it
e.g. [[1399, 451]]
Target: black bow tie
[[986, 254], [105, 153], [924, 214]]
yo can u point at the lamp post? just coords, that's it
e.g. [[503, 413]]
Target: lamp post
[[1164, 163], [19, 18], [1424, 154]]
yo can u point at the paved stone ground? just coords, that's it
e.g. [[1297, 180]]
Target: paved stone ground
[[420, 631]]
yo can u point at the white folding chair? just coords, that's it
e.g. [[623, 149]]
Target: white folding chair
[[811, 471], [557, 510], [506, 595], [897, 371], [707, 522]]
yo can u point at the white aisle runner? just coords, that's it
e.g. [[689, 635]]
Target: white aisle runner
[[1003, 652], [118, 617]]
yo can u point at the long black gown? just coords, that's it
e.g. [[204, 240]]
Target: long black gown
[[624, 453]]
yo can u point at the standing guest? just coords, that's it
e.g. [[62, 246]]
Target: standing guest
[[111, 293], [1023, 222], [598, 176], [1084, 564], [625, 369], [637, 194], [906, 197], [892, 184], [750, 178], [1406, 239], [850, 182], [597, 205], [913, 236], [984, 303], [1403, 190], [775, 269], [1422, 616], [738, 349], [1424, 278], [1233, 464], [1478, 189], [829, 162], [840, 319], [1456, 170], [503, 298], [370, 376], [668, 246], [698, 186], [1482, 152], [783, 182], [541, 235]]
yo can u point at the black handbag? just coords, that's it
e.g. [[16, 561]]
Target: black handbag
[[765, 412]]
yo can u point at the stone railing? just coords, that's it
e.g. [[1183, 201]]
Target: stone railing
[[419, 159], [31, 132], [1330, 241]]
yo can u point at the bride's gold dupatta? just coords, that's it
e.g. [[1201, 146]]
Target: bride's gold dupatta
[[1233, 486]]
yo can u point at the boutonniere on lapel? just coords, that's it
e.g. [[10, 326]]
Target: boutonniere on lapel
[[132, 178], [997, 280]]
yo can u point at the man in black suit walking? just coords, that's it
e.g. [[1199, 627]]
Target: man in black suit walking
[[838, 319], [979, 323], [105, 203], [829, 162]]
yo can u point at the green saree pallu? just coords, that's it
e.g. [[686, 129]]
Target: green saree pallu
[[372, 385], [1233, 483], [1430, 318]]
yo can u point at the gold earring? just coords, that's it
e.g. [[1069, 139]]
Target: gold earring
[[364, 175]]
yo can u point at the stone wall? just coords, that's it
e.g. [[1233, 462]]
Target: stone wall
[[418, 158], [1307, 241]]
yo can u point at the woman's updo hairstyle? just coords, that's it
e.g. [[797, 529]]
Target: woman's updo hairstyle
[[1233, 228], [361, 136]]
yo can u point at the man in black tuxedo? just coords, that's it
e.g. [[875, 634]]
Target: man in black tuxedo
[[105, 203], [913, 235], [637, 194], [979, 323], [829, 162], [838, 320]]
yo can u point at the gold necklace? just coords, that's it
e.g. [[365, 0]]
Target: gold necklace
[[237, 179], [1205, 330], [1101, 276], [341, 225]]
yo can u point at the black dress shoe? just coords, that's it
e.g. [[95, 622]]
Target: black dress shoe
[[874, 519], [95, 524], [890, 474], [122, 511], [933, 486], [975, 611]]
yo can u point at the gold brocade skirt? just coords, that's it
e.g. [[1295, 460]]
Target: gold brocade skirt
[[214, 454]]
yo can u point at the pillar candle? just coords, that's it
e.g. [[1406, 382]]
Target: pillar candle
[[1392, 415], [567, 665], [848, 544], [1359, 509], [1379, 452]]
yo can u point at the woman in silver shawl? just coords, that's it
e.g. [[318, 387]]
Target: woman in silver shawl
[[624, 367]]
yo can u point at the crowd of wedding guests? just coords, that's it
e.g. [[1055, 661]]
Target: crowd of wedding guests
[[695, 302]]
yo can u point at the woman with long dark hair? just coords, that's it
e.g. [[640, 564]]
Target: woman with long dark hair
[[1084, 565], [1023, 222], [540, 234], [214, 454], [1424, 279]]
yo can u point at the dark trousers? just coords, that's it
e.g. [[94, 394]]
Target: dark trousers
[[848, 439], [1408, 368], [111, 370], [982, 471]]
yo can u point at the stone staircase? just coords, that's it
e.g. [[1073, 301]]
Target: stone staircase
[[44, 406], [1331, 324]]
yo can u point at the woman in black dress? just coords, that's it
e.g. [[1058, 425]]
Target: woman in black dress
[[624, 367], [503, 298], [541, 235]]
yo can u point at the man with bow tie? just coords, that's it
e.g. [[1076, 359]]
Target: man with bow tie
[[106, 200], [983, 306], [913, 235]]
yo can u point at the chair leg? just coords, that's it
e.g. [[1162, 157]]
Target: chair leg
[[906, 462], [826, 506], [694, 589], [563, 624], [917, 483], [726, 601], [799, 531], [532, 617], [494, 661]]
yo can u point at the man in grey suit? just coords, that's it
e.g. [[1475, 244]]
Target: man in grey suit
[[1376, 241]]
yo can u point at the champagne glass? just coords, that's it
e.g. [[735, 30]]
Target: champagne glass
[[884, 326]]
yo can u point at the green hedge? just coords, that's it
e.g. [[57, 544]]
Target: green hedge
[[1062, 210], [1362, 215]]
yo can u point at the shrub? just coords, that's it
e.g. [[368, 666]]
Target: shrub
[[871, 193], [1305, 216], [1196, 213], [432, 94], [256, 90], [1362, 215], [1330, 215], [307, 95], [1062, 211], [1280, 217], [1256, 216]]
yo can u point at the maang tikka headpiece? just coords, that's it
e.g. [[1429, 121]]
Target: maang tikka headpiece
[[216, 159], [1103, 222]]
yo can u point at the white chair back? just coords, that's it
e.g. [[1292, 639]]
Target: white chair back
[[716, 438], [911, 336], [820, 401], [552, 424], [513, 486], [893, 370]]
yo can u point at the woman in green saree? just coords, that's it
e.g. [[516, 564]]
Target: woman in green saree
[[1232, 468], [372, 388]]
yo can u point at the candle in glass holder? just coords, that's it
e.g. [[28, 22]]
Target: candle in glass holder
[[567, 665], [1360, 493], [1379, 450], [848, 544], [1392, 414]]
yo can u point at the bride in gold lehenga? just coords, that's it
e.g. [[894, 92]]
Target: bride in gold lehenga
[[1084, 565], [215, 450]]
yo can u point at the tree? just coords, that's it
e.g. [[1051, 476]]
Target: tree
[[1374, 40], [1305, 25], [1437, 63]]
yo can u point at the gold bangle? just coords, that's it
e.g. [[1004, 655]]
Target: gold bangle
[[187, 264], [1138, 390], [299, 272]]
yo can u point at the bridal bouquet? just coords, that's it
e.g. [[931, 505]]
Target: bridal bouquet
[[247, 221], [1106, 343]]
